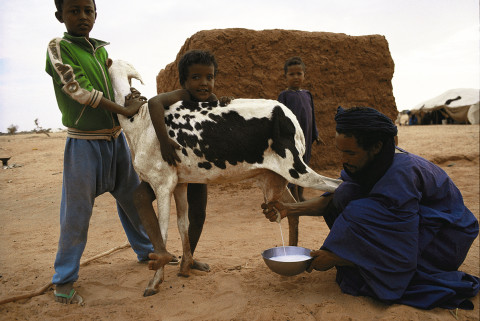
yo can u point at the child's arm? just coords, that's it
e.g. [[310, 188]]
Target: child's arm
[[70, 76], [131, 106], [156, 107], [315, 135]]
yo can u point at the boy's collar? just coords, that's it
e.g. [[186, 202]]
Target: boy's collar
[[96, 43]]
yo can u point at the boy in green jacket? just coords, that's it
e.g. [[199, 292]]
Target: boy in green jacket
[[97, 157]]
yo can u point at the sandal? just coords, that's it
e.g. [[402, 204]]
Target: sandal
[[71, 298]]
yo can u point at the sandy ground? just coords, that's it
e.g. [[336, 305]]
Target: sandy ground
[[239, 286]]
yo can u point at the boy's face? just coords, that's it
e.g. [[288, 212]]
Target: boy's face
[[200, 81], [295, 76], [78, 16]]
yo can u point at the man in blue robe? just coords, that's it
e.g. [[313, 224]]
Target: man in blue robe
[[399, 229]]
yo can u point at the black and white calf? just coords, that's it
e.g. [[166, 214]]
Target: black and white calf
[[249, 138]]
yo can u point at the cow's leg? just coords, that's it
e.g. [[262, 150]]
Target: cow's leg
[[180, 195], [274, 188], [292, 221], [300, 190], [163, 205], [153, 284]]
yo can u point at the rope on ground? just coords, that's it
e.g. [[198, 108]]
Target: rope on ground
[[47, 286], [120, 247]]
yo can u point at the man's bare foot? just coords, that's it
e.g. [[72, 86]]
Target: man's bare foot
[[200, 266], [66, 294], [158, 260]]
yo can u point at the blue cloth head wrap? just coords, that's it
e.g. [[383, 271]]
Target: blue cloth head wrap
[[364, 119]]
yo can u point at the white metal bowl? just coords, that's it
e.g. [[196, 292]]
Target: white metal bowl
[[287, 268]]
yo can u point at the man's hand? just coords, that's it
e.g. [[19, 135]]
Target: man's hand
[[322, 261], [133, 102], [224, 100], [271, 209], [325, 260]]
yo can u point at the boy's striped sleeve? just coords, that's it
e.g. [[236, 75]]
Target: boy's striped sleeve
[[65, 75]]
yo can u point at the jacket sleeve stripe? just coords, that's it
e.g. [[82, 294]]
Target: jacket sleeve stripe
[[71, 87]]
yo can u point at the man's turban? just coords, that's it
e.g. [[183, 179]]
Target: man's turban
[[364, 119]]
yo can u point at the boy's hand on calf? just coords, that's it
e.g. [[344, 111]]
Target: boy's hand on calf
[[132, 105], [225, 100], [133, 102], [134, 93], [169, 149]]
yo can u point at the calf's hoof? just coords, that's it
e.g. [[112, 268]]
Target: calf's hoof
[[152, 287], [150, 292], [184, 274], [200, 266]]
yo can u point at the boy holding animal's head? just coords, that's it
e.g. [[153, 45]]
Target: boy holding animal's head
[[97, 157]]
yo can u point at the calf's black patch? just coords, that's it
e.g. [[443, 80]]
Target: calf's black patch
[[227, 137]]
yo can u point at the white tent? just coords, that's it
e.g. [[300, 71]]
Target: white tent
[[460, 104], [473, 114]]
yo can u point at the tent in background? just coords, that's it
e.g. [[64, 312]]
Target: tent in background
[[453, 106], [473, 114]]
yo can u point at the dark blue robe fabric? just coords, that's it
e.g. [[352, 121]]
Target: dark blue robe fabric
[[407, 237], [300, 102]]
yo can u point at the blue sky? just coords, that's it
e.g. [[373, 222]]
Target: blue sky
[[434, 43]]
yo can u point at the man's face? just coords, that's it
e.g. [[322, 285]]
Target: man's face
[[200, 81], [78, 16], [354, 157]]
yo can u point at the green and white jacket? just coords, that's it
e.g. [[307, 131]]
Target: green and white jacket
[[78, 67]]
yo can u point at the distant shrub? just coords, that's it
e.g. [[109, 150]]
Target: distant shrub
[[12, 129]]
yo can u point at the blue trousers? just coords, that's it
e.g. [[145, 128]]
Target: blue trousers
[[91, 168]]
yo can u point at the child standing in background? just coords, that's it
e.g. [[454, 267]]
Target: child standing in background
[[97, 157], [300, 102]]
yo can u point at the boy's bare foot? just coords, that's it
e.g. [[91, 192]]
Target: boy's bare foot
[[200, 266], [174, 260], [66, 294], [158, 260]]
